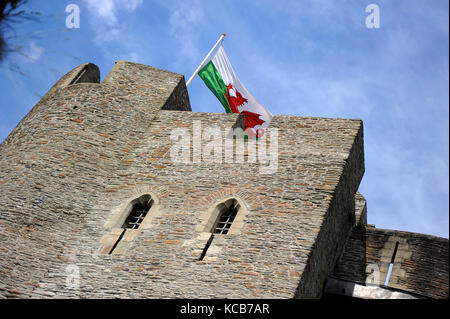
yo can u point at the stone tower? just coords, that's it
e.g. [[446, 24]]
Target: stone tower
[[90, 157]]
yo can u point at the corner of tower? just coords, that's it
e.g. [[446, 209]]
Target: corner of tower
[[84, 73]]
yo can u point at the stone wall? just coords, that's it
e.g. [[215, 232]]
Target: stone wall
[[360, 210], [56, 162], [420, 265], [337, 225], [287, 212], [86, 150]]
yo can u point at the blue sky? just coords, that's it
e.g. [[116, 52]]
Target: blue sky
[[303, 57]]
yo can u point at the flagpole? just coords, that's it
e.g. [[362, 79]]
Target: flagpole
[[206, 58]]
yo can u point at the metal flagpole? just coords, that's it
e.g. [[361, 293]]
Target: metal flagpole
[[206, 58]]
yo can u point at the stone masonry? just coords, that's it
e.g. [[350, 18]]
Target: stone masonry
[[420, 265], [76, 163]]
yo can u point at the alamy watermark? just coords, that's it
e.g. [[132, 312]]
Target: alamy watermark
[[73, 19], [373, 19], [72, 277], [216, 145]]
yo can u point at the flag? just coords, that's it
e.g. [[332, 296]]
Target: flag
[[220, 78]]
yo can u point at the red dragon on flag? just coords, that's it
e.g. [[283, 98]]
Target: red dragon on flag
[[236, 99]]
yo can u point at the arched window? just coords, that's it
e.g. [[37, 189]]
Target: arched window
[[227, 212], [138, 209], [138, 212], [226, 216]]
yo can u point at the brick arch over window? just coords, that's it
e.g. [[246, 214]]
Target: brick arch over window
[[224, 217]]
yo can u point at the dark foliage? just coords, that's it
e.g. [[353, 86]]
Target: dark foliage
[[9, 11]]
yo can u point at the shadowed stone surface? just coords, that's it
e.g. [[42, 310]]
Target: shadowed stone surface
[[420, 265]]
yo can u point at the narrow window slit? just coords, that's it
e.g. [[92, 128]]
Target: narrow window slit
[[391, 265], [117, 242], [206, 247]]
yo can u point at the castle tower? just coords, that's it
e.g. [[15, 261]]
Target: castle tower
[[94, 205]]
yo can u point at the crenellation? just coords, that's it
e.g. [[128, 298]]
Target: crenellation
[[420, 266], [73, 168]]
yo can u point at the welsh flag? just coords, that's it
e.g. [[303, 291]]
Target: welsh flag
[[220, 78]]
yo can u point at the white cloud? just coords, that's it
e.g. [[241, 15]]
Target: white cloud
[[131, 5], [183, 25], [106, 10], [34, 52], [105, 17]]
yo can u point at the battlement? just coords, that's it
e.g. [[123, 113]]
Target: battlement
[[138, 80], [420, 262], [77, 166]]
